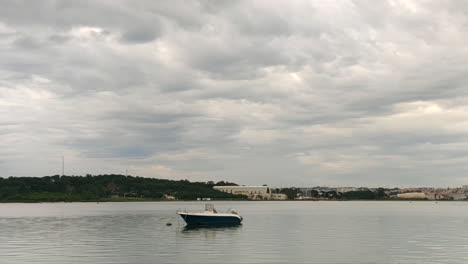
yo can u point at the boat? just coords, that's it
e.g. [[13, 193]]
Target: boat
[[211, 217]]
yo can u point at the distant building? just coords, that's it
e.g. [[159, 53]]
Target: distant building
[[278, 196], [168, 197], [345, 189], [252, 192], [447, 193], [459, 196], [412, 195]]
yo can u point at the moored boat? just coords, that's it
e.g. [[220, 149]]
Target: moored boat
[[211, 217]]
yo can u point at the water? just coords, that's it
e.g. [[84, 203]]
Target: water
[[273, 232]]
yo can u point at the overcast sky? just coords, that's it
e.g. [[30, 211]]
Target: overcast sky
[[285, 93]]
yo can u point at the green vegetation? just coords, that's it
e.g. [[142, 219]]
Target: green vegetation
[[362, 195], [291, 193], [104, 188]]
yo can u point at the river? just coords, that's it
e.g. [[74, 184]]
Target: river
[[272, 232]]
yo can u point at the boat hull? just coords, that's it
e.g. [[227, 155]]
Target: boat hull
[[192, 219]]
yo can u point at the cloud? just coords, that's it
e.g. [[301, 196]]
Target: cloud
[[141, 34], [304, 93]]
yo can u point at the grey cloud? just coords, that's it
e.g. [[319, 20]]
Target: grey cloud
[[27, 43], [139, 36], [301, 93], [142, 34], [59, 39]]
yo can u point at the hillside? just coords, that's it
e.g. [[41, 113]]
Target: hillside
[[103, 188]]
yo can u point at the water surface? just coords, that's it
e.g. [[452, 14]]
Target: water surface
[[273, 232]]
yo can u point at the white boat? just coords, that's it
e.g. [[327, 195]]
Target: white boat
[[211, 217]]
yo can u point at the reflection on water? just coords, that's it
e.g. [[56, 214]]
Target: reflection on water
[[224, 228], [209, 232], [272, 232]]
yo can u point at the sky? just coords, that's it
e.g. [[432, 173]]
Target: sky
[[284, 93]]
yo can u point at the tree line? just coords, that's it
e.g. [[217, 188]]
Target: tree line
[[102, 187]]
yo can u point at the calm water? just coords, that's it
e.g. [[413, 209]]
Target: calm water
[[283, 232]]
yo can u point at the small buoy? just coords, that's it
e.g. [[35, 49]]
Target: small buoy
[[168, 224]]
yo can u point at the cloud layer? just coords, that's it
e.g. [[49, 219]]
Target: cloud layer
[[285, 93]]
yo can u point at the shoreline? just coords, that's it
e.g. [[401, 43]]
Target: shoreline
[[156, 200]]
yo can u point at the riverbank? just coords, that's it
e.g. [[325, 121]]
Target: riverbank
[[136, 199]]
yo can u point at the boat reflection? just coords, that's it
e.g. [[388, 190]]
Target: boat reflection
[[210, 227], [210, 232]]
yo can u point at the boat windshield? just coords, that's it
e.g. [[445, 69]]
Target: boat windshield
[[210, 208], [231, 211]]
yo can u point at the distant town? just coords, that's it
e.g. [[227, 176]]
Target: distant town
[[346, 193]]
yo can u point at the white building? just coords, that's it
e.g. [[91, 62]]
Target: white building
[[168, 197], [278, 196], [345, 189], [412, 195], [252, 192]]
